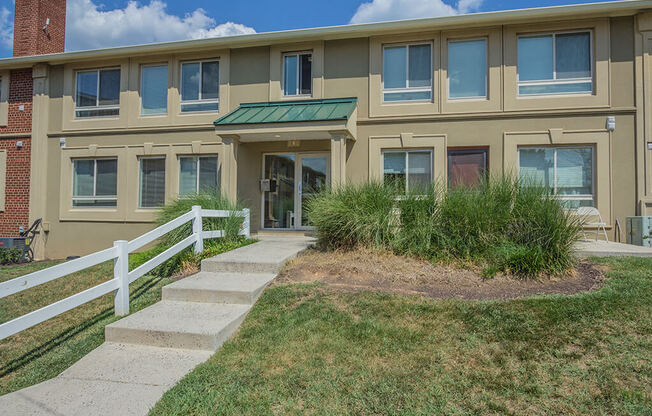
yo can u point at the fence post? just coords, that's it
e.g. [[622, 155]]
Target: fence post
[[121, 274], [197, 229], [246, 224]]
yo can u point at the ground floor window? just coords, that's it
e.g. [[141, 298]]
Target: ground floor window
[[567, 171], [95, 183], [407, 169], [152, 182], [197, 174], [466, 167]]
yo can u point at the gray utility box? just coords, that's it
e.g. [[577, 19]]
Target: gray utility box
[[639, 231], [12, 242]]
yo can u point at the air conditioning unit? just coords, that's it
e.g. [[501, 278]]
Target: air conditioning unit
[[639, 231]]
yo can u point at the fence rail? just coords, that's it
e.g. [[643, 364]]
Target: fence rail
[[122, 277]]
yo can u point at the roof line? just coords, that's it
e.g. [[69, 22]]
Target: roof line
[[337, 32]]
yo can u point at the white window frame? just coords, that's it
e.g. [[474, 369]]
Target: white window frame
[[140, 90], [97, 99], [407, 163], [94, 196], [554, 80], [199, 157], [200, 100], [486, 69], [140, 179], [298, 54], [579, 197], [407, 74]]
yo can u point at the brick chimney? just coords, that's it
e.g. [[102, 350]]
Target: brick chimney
[[39, 27]]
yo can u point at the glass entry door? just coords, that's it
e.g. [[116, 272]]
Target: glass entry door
[[293, 179], [278, 202]]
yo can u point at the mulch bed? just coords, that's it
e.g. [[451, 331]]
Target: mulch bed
[[361, 270]]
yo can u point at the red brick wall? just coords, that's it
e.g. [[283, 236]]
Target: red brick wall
[[20, 93], [30, 17], [16, 212]]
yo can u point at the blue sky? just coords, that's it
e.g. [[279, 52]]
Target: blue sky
[[105, 23]]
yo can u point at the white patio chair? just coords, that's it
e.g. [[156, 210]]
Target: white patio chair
[[590, 217]]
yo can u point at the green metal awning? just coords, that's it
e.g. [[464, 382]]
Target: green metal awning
[[290, 112]]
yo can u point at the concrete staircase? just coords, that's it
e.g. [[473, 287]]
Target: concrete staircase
[[146, 353], [199, 312]]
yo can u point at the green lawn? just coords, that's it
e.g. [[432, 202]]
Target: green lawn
[[304, 349], [45, 350]]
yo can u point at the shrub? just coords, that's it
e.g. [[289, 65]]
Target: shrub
[[355, 214], [11, 255], [508, 227], [207, 200], [187, 259]]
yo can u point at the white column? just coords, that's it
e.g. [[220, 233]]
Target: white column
[[338, 159], [229, 171]]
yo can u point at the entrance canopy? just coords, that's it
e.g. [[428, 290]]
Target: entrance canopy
[[290, 120]]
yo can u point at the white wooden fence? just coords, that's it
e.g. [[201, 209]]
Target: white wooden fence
[[122, 277]]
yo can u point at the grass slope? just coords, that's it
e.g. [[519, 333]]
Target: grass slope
[[304, 349]]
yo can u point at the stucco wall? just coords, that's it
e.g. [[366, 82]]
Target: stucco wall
[[346, 74]]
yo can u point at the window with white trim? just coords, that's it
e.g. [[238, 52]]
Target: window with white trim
[[407, 169], [94, 183], [297, 74], [153, 89], [555, 63], [467, 69], [567, 170], [197, 174], [407, 72], [97, 93], [200, 86], [152, 182]]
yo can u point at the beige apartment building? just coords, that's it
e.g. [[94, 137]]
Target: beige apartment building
[[562, 95]]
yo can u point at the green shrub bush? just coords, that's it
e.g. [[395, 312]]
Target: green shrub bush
[[500, 224], [207, 200], [11, 255]]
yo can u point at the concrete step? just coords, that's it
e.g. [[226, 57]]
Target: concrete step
[[239, 288], [189, 325], [265, 256], [136, 364]]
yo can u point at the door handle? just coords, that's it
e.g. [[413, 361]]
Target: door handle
[[300, 187]]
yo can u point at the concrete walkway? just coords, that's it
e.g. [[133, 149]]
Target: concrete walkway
[[148, 352], [601, 248]]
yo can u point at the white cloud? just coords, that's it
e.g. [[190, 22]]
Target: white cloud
[[6, 28], [382, 10], [89, 26]]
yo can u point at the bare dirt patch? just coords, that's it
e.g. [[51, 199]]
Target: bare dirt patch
[[385, 272]]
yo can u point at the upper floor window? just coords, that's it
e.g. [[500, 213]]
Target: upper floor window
[[467, 68], [153, 89], [200, 86], [95, 183], [407, 72], [97, 93], [407, 169], [297, 73], [557, 63], [567, 171], [197, 174]]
